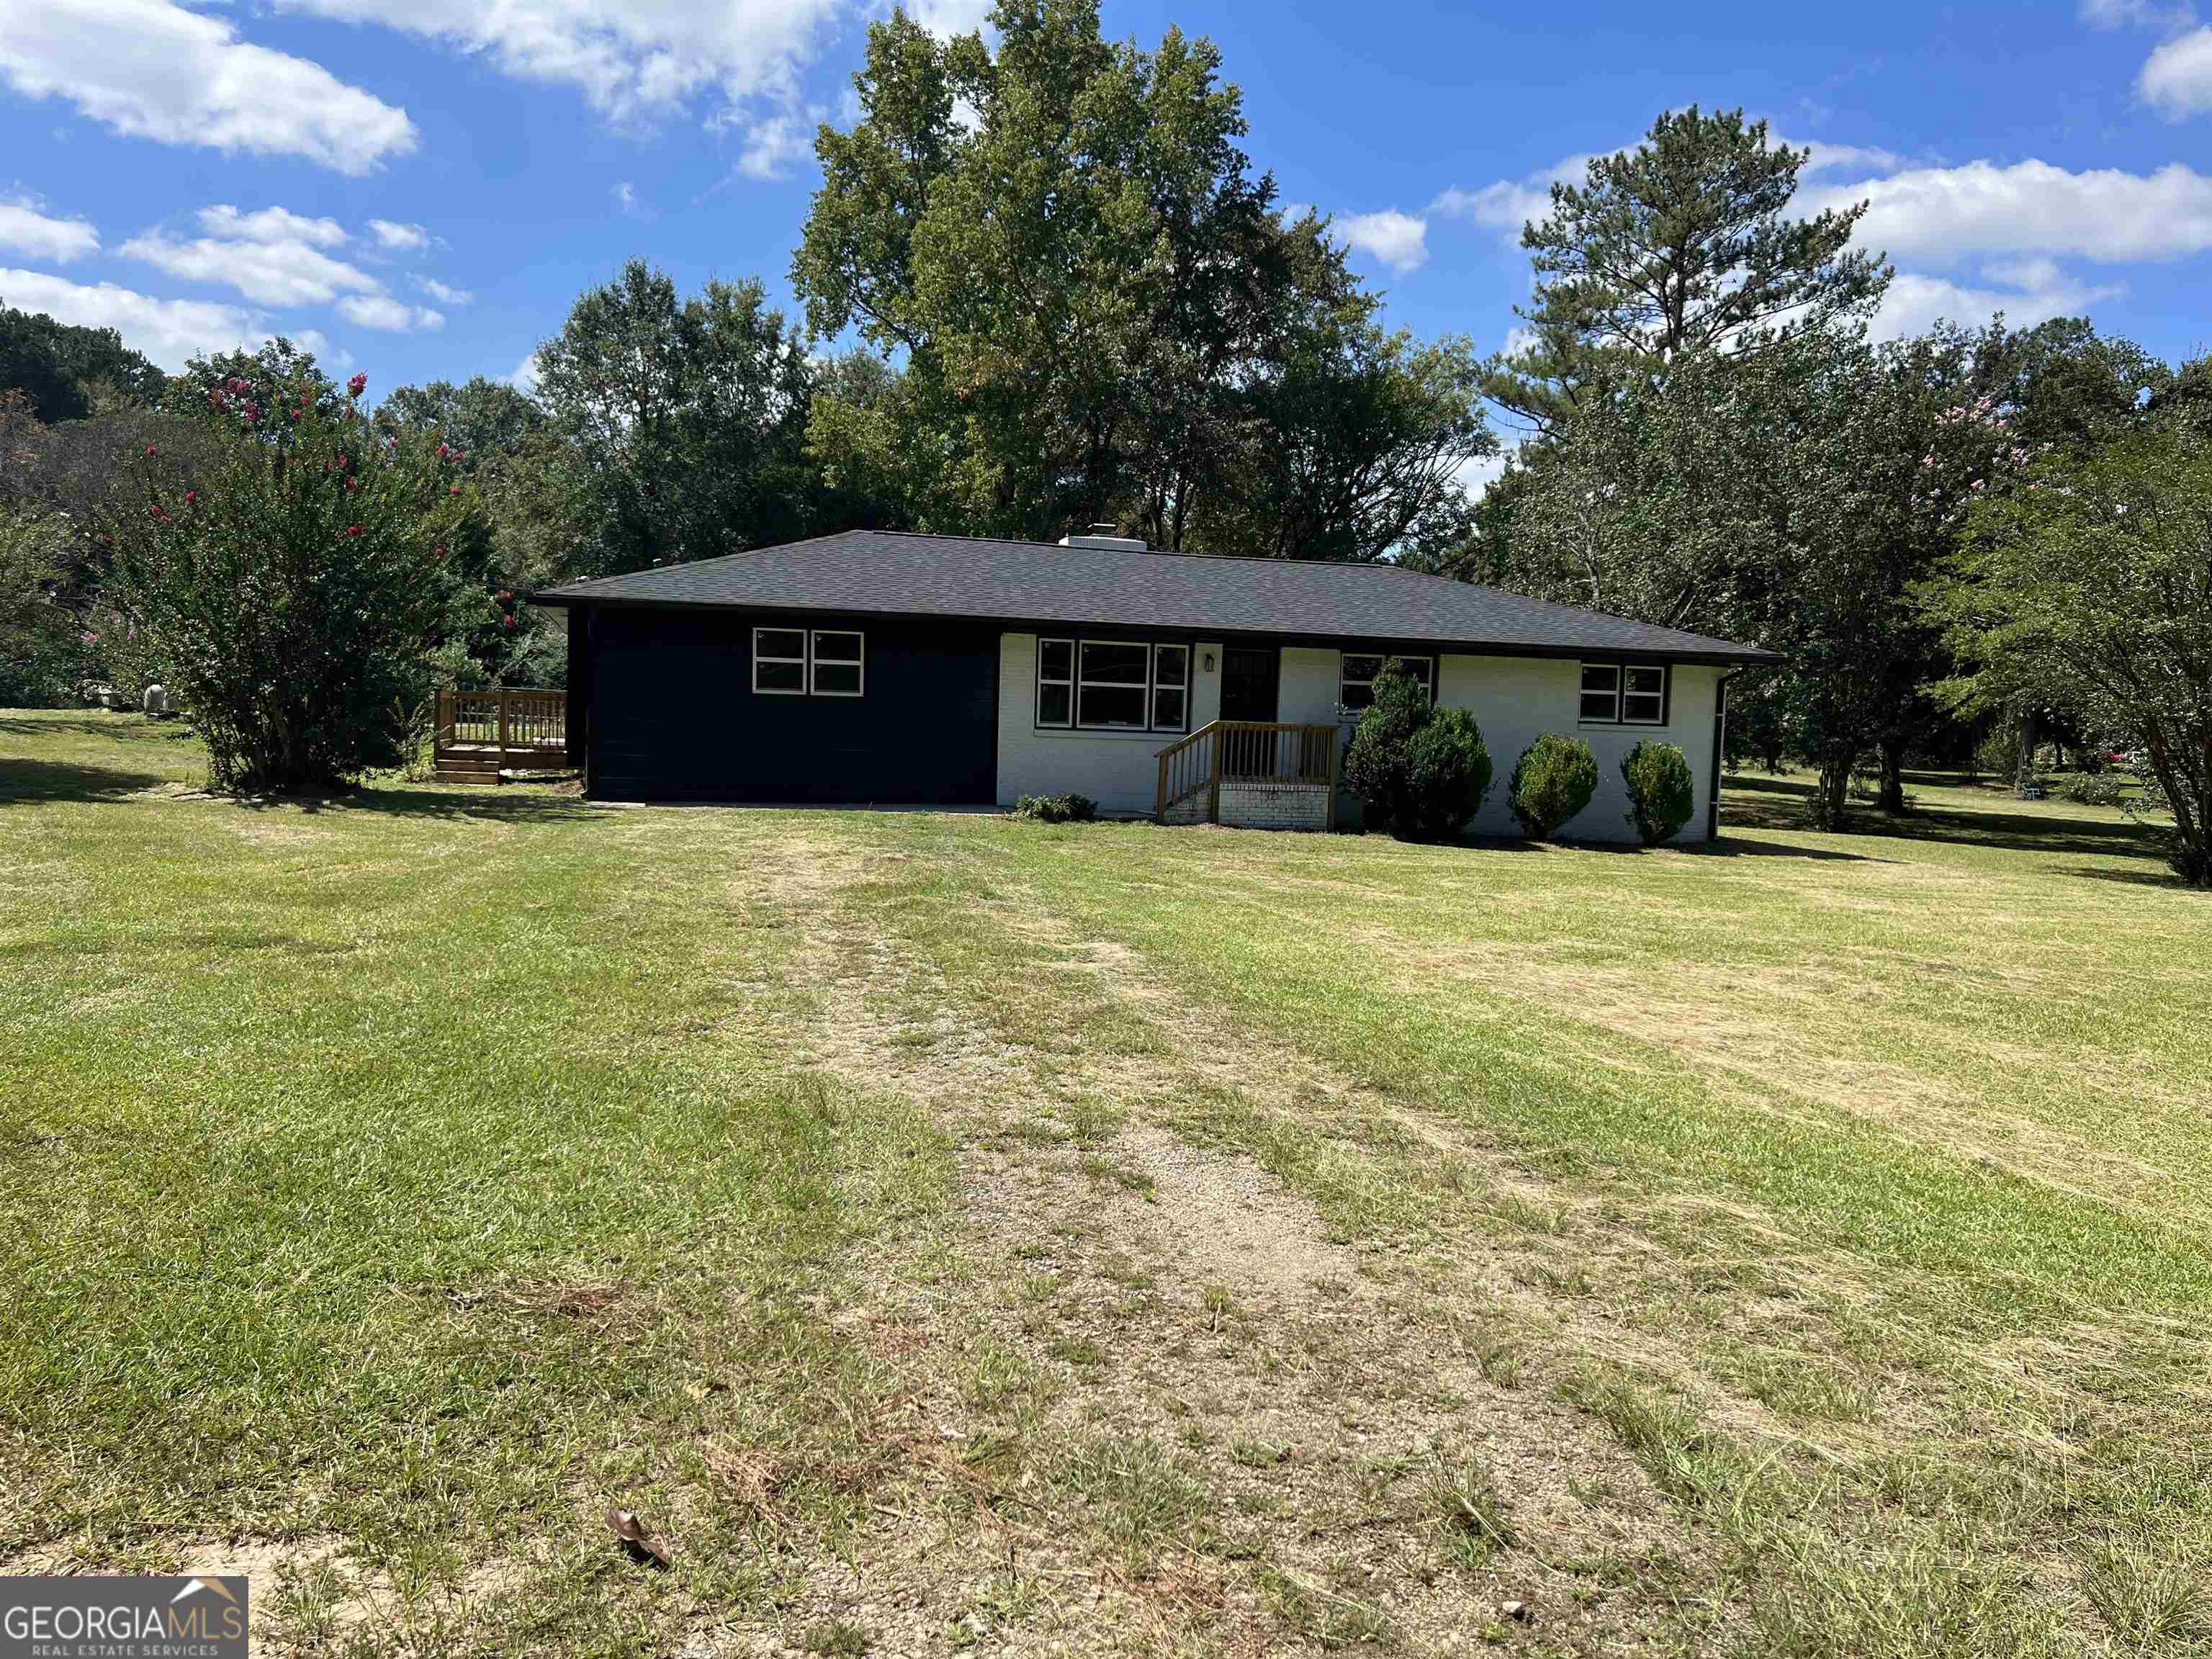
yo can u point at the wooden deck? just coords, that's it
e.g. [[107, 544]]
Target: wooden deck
[[481, 734]]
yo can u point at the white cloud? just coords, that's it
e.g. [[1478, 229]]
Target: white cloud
[[273, 273], [443, 293], [152, 69], [1395, 239], [272, 224], [27, 230], [315, 340], [1506, 204], [525, 378], [1827, 158], [1944, 215], [2036, 292], [166, 331], [1476, 475], [629, 58], [624, 196], [411, 238], [773, 145], [946, 18], [2137, 14], [381, 311], [2177, 79]]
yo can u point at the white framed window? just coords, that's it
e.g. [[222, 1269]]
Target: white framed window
[[840, 667], [1643, 695], [1356, 674], [1055, 698], [1112, 685], [780, 662], [1624, 694], [1170, 687], [1600, 691]]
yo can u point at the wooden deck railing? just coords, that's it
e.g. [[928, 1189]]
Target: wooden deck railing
[[506, 725], [1244, 752]]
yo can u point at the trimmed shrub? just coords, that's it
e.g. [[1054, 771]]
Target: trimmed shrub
[[1375, 765], [1056, 809], [1660, 795], [1447, 775], [1553, 781]]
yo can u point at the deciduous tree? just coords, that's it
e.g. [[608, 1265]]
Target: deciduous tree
[[686, 417], [2089, 587], [1099, 312]]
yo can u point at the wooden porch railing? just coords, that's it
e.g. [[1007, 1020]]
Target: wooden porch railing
[[1244, 752], [479, 733]]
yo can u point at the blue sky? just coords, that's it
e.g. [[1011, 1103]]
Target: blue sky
[[420, 193]]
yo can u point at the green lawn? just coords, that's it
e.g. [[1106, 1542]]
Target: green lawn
[[951, 1233]]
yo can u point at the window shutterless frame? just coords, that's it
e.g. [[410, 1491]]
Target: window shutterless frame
[[1357, 671], [1112, 685], [1171, 702], [802, 662], [1056, 680], [1624, 694], [840, 663], [780, 662], [1643, 695]]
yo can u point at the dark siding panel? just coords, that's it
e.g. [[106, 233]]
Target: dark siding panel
[[674, 715]]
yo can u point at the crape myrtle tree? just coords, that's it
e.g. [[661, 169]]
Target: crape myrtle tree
[[294, 595], [1098, 312], [2088, 586]]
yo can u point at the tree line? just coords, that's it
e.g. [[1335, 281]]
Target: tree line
[[1961, 542], [1043, 286]]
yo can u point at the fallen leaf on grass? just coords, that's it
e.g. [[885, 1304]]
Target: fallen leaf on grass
[[642, 1546]]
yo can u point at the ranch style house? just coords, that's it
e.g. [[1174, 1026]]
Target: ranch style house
[[876, 667]]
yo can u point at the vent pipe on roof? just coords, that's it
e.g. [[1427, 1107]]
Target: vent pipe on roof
[[1108, 538]]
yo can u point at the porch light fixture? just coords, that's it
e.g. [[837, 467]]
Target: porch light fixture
[[1209, 662]]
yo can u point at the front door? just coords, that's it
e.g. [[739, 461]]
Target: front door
[[1249, 682]]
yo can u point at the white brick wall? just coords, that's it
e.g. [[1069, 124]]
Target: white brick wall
[[1513, 699], [1516, 699], [1119, 770], [1275, 805]]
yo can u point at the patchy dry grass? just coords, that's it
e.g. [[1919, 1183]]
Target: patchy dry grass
[[953, 1234]]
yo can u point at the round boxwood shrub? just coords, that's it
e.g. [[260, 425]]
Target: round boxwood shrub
[[1660, 794], [1375, 765], [1553, 779], [1447, 775]]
